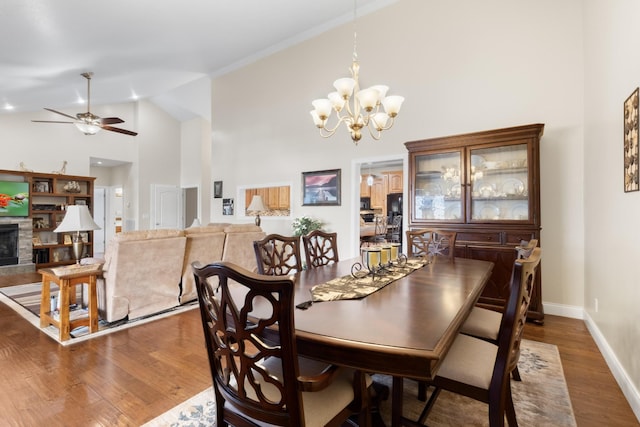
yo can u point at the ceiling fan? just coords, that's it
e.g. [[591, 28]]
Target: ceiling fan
[[89, 123]]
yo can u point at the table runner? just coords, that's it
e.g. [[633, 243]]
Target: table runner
[[349, 287]]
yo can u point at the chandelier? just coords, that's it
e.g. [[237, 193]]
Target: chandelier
[[369, 108]]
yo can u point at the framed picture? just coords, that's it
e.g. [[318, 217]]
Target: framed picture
[[321, 188], [227, 206], [217, 189], [41, 186], [631, 182], [67, 239]]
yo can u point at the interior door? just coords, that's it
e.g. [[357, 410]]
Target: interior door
[[166, 207]]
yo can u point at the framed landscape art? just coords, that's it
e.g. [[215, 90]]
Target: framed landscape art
[[631, 130], [321, 188]]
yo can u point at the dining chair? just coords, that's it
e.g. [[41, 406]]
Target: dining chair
[[426, 241], [484, 323], [394, 229], [481, 370], [258, 377], [320, 248], [278, 255], [380, 230]]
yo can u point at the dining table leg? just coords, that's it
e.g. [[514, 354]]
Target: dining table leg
[[396, 401]]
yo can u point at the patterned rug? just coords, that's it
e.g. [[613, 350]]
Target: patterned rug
[[25, 300], [541, 399]]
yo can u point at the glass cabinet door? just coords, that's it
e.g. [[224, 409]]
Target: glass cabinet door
[[499, 179], [438, 189]]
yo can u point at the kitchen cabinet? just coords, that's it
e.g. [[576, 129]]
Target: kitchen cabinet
[[395, 181], [274, 198], [486, 187], [365, 189], [378, 194]]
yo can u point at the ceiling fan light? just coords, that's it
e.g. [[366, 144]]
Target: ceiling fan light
[[87, 128]]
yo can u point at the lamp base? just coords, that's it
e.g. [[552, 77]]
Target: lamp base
[[78, 250], [258, 220]]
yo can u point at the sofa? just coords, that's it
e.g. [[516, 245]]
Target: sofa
[[149, 271]]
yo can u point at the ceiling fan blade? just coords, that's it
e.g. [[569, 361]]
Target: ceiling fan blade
[[50, 121], [111, 120], [62, 114], [124, 131]]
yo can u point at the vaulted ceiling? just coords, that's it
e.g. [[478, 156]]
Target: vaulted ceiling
[[143, 49]]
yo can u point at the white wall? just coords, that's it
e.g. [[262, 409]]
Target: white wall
[[612, 72], [195, 158], [463, 66], [154, 154]]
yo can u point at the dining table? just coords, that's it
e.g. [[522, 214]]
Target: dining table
[[404, 329]]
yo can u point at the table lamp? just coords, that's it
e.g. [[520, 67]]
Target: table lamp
[[77, 219], [256, 205]]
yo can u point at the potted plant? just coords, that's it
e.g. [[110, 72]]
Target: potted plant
[[304, 225]]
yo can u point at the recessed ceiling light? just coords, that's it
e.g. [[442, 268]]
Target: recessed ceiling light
[[8, 106]]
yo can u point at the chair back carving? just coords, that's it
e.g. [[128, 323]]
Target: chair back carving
[[427, 241], [239, 334], [320, 248], [514, 318], [278, 255]]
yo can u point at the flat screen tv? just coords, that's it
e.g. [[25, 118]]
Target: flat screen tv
[[14, 198]]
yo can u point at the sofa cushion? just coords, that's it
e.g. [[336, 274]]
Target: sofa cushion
[[241, 228], [143, 271], [205, 229], [148, 234], [205, 246], [238, 245]]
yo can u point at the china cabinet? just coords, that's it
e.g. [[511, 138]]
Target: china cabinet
[[486, 187]]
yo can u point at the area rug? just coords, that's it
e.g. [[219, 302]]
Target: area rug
[[541, 399], [25, 300]]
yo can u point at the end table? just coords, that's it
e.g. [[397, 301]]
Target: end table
[[67, 278]]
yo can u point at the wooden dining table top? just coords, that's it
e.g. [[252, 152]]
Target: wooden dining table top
[[404, 329]]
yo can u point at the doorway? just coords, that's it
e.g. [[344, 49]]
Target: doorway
[[377, 167]]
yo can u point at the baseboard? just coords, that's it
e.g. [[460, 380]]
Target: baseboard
[[571, 311], [619, 373]]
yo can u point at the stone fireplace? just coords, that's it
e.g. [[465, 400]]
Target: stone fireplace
[[16, 246]]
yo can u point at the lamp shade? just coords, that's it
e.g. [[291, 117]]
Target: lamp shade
[[256, 204], [77, 218]]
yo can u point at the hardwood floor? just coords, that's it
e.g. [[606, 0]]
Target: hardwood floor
[[129, 377]]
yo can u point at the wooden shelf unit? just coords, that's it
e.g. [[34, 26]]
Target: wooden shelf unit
[[50, 194]]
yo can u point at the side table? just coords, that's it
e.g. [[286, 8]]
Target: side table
[[67, 278]]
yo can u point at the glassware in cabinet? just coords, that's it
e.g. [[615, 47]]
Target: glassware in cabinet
[[499, 179], [438, 186]]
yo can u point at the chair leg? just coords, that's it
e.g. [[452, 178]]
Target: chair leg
[[429, 406], [510, 409], [515, 374], [362, 398]]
